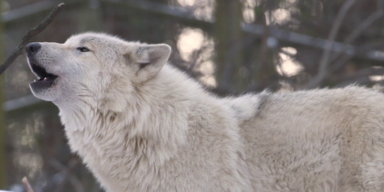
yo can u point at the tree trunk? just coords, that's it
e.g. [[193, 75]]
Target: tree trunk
[[2, 124], [227, 32]]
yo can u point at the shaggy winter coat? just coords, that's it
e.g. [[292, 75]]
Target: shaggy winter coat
[[141, 125]]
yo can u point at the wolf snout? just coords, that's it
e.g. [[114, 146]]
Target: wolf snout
[[32, 48]]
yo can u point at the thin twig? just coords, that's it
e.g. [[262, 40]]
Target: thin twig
[[66, 171], [337, 64], [72, 163], [27, 185], [195, 57], [359, 29], [331, 38], [363, 26], [31, 33]]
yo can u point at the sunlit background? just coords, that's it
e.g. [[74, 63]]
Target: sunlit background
[[230, 46]]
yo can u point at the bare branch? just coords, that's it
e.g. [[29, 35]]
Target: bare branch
[[72, 163], [27, 37], [340, 62], [366, 23], [66, 171], [355, 33], [195, 57], [27, 185], [188, 18], [331, 38]]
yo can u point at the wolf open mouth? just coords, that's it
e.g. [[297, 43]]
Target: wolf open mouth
[[45, 79], [42, 74]]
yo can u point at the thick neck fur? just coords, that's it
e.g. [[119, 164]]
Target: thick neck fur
[[150, 119]]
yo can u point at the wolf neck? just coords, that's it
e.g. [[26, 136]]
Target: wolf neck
[[154, 121]]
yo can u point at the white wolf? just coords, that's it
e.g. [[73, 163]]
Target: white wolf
[[141, 125]]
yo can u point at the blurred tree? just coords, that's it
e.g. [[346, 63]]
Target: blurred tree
[[2, 124], [227, 32]]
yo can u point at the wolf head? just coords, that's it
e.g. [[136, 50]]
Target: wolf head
[[92, 65]]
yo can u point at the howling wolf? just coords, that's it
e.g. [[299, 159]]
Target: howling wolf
[[139, 124]]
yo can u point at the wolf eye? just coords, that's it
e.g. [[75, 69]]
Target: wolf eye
[[83, 49]]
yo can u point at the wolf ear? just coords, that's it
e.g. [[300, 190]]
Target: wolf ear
[[149, 59]]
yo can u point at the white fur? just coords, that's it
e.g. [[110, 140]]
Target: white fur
[[141, 125]]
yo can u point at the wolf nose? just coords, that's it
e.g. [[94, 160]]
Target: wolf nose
[[32, 48]]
